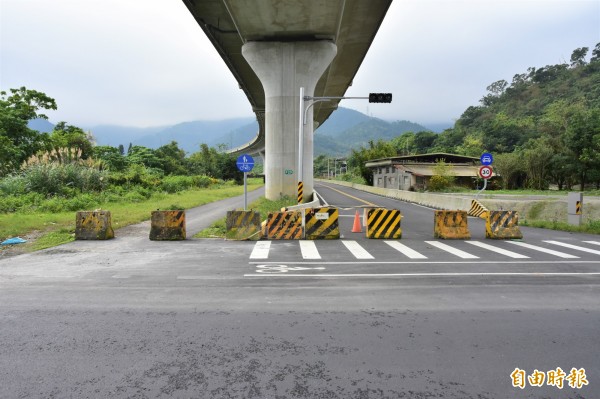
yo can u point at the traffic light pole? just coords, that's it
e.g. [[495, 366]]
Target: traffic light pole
[[373, 97]]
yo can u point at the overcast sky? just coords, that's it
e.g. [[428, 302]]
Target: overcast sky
[[148, 63]]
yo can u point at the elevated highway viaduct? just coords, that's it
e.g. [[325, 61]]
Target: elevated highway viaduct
[[274, 48]]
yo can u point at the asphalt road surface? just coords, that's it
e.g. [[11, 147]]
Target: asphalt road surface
[[348, 318]]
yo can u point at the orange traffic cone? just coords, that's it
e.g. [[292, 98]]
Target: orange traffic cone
[[356, 228]]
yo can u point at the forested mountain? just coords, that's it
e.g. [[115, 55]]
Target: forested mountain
[[340, 143], [345, 129], [543, 127]]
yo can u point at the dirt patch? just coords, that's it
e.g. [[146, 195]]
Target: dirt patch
[[19, 249]]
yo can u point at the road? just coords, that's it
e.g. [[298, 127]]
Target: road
[[131, 318]]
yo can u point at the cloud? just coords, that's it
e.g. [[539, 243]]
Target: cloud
[[148, 62]]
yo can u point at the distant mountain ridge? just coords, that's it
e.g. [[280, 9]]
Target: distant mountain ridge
[[345, 129]]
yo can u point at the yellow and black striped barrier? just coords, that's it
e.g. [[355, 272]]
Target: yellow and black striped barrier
[[300, 192], [243, 225], [578, 208], [384, 223], [322, 223], [93, 225], [283, 226], [502, 225], [478, 209], [167, 225], [451, 225]]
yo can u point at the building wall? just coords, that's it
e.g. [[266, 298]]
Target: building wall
[[390, 177]]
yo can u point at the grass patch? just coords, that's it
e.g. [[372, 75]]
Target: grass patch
[[261, 205], [536, 210], [591, 227], [52, 229]]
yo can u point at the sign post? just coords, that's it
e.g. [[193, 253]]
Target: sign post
[[245, 163], [486, 171]]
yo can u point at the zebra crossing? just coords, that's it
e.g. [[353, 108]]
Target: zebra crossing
[[421, 250]]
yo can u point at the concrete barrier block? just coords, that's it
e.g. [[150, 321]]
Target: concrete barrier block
[[167, 225], [93, 225], [243, 225], [384, 223], [502, 225], [451, 225], [322, 224], [284, 226], [478, 209]]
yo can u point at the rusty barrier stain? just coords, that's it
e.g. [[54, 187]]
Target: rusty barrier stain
[[284, 226], [243, 225], [93, 225], [478, 209], [503, 225], [451, 225], [167, 225]]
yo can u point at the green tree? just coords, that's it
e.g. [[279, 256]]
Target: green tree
[[583, 139], [509, 167], [112, 157], [17, 141], [375, 150], [143, 156], [424, 141], [172, 159], [578, 57], [67, 136]]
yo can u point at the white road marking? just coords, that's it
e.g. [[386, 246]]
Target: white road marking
[[261, 250], [593, 242], [454, 262], [545, 250], [576, 247], [497, 250], [309, 250], [270, 269], [452, 250], [567, 274], [356, 250], [411, 253]]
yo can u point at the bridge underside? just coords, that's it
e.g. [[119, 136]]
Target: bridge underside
[[231, 25]]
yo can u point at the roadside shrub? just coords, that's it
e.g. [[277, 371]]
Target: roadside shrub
[[12, 185], [20, 202], [61, 179], [61, 204], [440, 183], [136, 175]]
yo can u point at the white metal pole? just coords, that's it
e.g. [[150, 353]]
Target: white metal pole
[[301, 135], [245, 192]]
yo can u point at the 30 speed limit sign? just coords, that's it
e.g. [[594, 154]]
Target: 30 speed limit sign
[[485, 172]]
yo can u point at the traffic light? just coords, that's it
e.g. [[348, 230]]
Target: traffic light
[[380, 97]]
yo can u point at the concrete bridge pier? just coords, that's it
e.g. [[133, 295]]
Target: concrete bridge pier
[[284, 67]]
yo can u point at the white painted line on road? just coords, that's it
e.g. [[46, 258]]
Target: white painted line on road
[[261, 250], [452, 250], [415, 262], [122, 276], [501, 251], [576, 247], [356, 250], [411, 253], [545, 250], [567, 274], [309, 250], [593, 242]]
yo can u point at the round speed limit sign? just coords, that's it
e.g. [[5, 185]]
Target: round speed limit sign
[[485, 172]]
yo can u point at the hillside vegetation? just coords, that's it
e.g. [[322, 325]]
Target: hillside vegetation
[[543, 128]]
